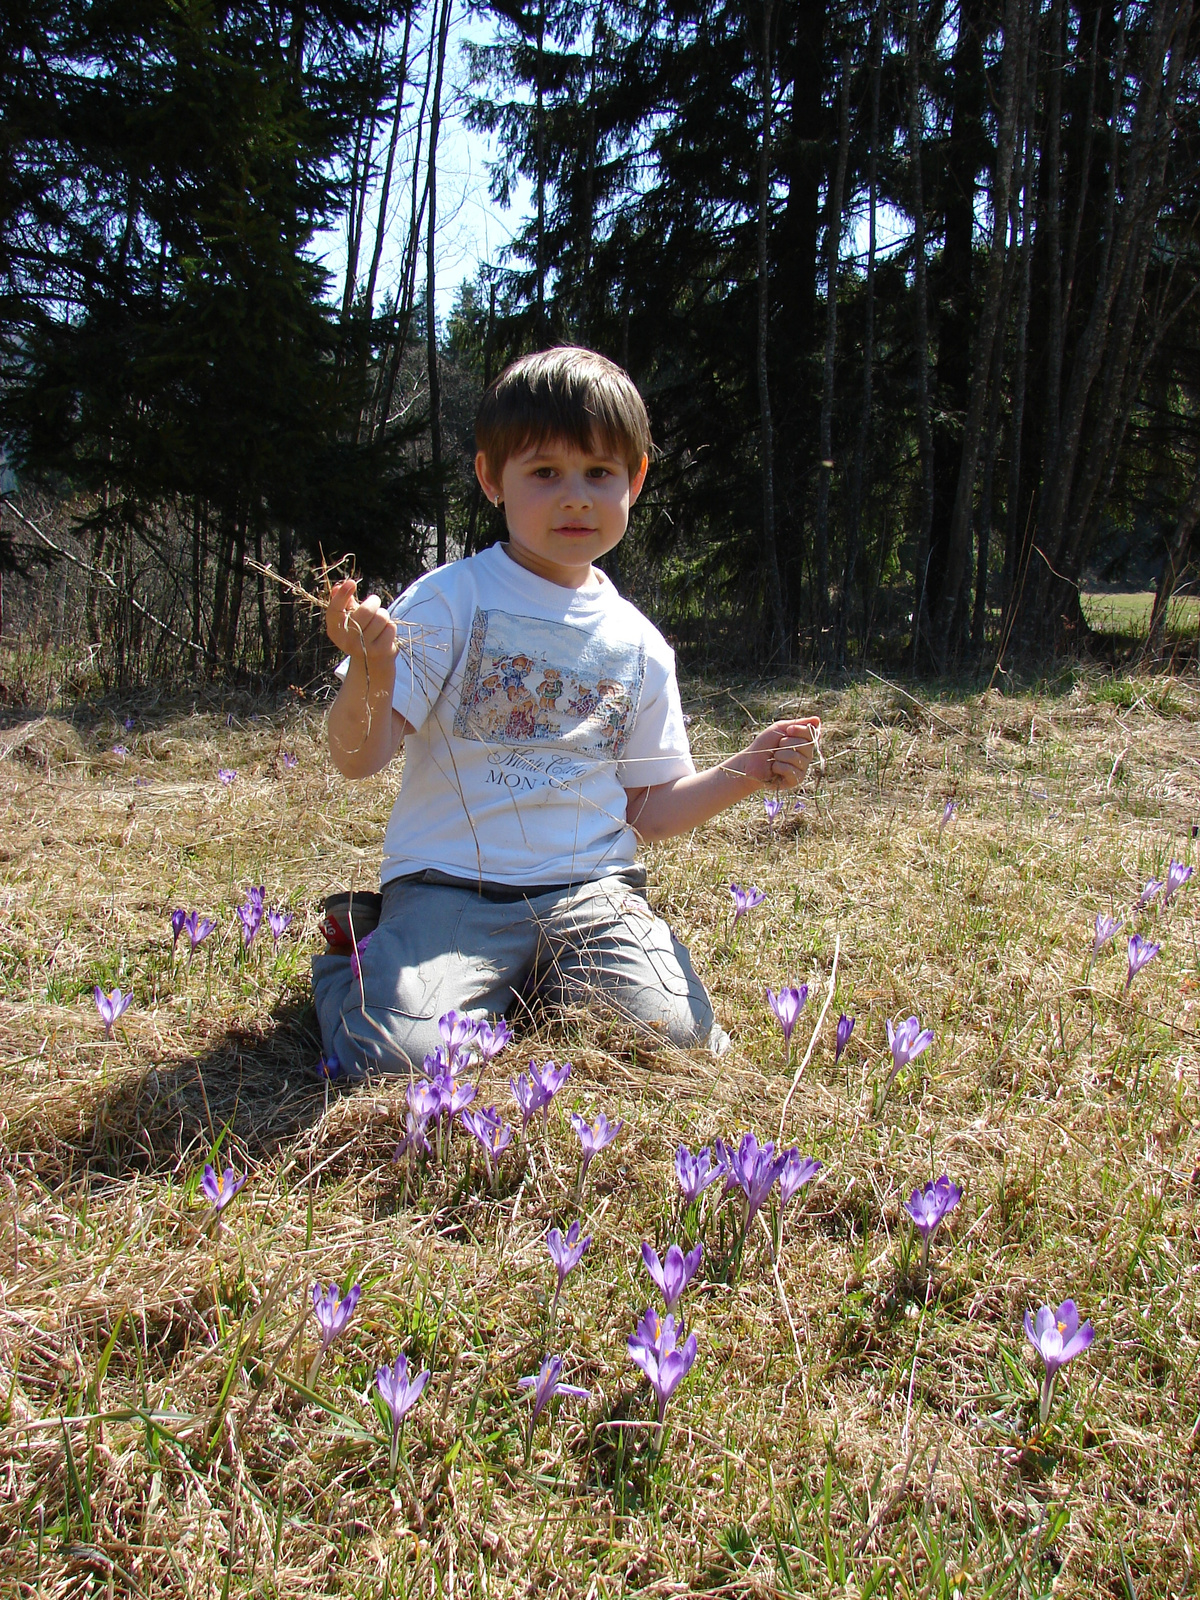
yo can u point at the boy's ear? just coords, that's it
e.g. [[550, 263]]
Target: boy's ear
[[635, 483], [489, 488]]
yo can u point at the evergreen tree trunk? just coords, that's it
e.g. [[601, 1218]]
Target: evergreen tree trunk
[[921, 299], [1014, 525], [766, 437], [796, 344], [863, 439], [541, 176], [950, 615], [198, 561], [264, 621], [393, 350], [381, 214], [833, 244], [477, 492], [286, 651], [221, 589], [435, 391], [966, 155], [237, 585]]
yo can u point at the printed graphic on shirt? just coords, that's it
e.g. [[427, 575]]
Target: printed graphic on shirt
[[528, 682]]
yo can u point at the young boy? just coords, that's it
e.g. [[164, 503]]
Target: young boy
[[544, 738]]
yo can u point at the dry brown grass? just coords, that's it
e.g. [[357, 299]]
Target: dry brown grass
[[151, 1443]]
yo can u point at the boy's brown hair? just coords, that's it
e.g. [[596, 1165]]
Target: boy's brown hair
[[567, 394]]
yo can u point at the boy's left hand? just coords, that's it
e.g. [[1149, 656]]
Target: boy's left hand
[[780, 756]]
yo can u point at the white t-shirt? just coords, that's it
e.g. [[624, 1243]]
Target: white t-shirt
[[533, 708]]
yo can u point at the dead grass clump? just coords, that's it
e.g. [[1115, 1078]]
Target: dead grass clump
[[41, 742]]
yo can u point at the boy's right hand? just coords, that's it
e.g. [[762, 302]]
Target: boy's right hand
[[360, 627]]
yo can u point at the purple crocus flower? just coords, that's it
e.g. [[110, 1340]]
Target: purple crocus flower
[[424, 1098], [772, 805], [1105, 928], [929, 1207], [250, 916], [652, 1348], [491, 1038], [797, 1170], [329, 1067], [279, 922], [1149, 894], [674, 1272], [400, 1395], [414, 1139], [787, 1006], [695, 1172], [356, 954], [494, 1136], [178, 919], [550, 1078], [724, 1159], [566, 1253], [129, 724], [119, 750], [289, 759], [1177, 876], [112, 1007], [332, 1313], [744, 900], [226, 774], [529, 1097], [453, 1096], [545, 1385], [845, 1028], [593, 1138], [1058, 1338], [906, 1042], [457, 1031], [220, 1191], [1141, 952], [755, 1167], [948, 811], [197, 927]]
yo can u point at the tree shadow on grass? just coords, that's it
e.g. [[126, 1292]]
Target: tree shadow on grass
[[254, 1085]]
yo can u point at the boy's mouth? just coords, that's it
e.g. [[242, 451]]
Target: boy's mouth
[[574, 528]]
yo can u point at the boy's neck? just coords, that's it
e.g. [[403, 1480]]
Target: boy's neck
[[582, 577]]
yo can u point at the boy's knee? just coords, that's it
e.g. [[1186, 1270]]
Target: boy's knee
[[366, 1038]]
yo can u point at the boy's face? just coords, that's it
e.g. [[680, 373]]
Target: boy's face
[[565, 508]]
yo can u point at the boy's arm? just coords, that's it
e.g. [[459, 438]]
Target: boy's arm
[[363, 728], [777, 759]]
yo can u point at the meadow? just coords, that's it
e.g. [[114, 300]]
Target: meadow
[[1127, 613], [852, 1424]]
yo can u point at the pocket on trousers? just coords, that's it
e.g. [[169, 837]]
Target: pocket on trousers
[[409, 967]]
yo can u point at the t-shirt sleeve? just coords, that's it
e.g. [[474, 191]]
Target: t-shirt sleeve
[[657, 750], [425, 634]]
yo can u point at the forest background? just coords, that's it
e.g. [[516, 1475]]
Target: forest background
[[911, 289]]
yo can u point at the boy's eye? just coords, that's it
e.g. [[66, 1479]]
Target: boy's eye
[[599, 472]]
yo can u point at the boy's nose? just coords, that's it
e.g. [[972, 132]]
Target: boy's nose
[[577, 490]]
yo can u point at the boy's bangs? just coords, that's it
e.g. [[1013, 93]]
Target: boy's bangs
[[576, 430], [565, 396]]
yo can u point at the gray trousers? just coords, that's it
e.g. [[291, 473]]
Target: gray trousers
[[439, 947]]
